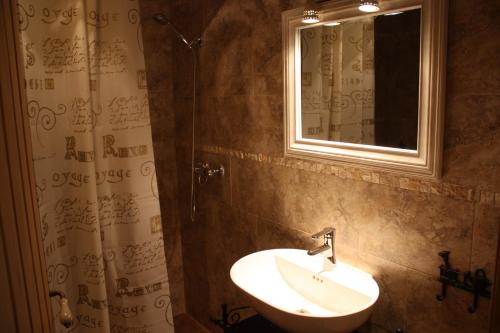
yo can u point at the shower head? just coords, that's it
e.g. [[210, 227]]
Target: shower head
[[162, 19]]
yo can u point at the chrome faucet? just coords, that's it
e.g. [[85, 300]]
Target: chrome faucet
[[328, 243]]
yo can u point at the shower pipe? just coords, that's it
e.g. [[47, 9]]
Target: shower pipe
[[193, 45]]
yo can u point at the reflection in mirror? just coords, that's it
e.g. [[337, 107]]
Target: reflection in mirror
[[360, 80]]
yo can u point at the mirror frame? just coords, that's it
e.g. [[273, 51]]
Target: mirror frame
[[427, 159]]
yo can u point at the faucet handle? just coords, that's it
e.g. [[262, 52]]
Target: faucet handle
[[328, 232]]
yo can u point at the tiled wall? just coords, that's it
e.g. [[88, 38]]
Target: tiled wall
[[158, 56], [390, 226]]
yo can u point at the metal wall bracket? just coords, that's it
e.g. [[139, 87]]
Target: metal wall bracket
[[477, 284], [230, 318]]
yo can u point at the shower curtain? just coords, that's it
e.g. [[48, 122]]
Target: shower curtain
[[338, 82], [94, 165]]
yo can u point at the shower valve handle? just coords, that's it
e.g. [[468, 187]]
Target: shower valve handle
[[203, 172]]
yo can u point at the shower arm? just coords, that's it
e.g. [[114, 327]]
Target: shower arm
[[181, 36], [162, 19]]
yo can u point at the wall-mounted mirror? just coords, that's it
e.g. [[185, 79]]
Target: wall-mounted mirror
[[367, 89]]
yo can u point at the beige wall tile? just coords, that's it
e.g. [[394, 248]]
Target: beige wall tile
[[158, 57], [392, 280], [391, 226], [425, 314], [485, 239]]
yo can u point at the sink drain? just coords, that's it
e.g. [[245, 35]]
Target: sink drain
[[303, 311]]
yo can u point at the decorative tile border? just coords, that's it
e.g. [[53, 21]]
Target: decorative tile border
[[458, 192]]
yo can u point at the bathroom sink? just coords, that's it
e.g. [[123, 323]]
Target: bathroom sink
[[294, 291]]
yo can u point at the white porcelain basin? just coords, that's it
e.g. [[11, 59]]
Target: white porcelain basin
[[290, 288]]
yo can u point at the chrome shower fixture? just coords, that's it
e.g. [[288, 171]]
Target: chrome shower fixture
[[204, 171], [162, 19], [193, 46]]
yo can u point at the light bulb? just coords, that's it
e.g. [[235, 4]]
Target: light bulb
[[393, 13], [310, 16], [368, 6]]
